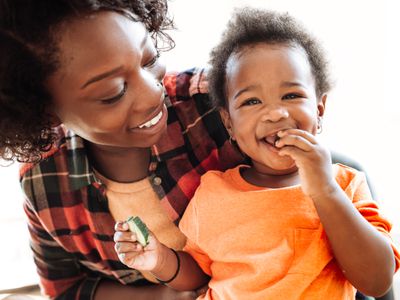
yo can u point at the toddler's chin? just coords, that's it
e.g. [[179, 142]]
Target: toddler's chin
[[284, 163]]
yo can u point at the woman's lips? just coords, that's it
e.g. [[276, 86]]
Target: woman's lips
[[154, 124]]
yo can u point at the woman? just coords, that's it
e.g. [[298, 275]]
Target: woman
[[84, 103]]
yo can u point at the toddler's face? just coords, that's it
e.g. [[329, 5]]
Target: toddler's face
[[269, 88]]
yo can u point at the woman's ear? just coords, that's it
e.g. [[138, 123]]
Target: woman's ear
[[226, 119], [54, 119]]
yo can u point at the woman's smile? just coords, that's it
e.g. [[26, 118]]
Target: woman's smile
[[154, 124]]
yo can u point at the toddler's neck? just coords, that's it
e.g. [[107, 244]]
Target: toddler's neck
[[254, 177]]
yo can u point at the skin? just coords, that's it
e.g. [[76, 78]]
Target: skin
[[109, 83], [107, 111], [271, 92]]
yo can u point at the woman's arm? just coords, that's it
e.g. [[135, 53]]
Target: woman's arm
[[60, 274], [107, 290]]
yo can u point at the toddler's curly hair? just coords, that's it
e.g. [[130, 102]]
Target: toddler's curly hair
[[250, 26]]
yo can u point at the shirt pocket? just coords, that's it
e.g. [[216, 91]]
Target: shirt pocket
[[311, 251]]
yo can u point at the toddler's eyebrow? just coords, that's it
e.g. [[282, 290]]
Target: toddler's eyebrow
[[245, 89], [291, 83]]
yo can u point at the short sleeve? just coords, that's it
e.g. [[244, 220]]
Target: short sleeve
[[357, 189]]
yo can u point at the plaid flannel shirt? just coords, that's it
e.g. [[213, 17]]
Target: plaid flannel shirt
[[69, 221]]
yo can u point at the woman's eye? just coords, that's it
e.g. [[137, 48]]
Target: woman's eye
[[116, 97], [153, 61], [252, 101], [291, 96]]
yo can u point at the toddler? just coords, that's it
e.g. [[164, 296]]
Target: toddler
[[290, 225]]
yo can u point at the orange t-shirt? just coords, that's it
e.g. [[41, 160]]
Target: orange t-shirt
[[260, 243]]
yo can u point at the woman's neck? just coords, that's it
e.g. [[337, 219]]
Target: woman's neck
[[290, 178], [119, 164]]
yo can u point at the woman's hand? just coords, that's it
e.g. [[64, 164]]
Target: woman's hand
[[312, 159], [133, 254]]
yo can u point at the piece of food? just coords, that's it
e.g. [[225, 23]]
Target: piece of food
[[137, 226]]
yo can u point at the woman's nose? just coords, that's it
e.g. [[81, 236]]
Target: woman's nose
[[148, 93], [274, 114]]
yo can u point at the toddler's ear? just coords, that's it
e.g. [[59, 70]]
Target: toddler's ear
[[321, 105], [226, 119]]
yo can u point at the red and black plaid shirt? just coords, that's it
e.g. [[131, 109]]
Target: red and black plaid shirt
[[69, 221]]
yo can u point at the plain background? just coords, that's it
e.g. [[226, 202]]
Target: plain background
[[362, 118]]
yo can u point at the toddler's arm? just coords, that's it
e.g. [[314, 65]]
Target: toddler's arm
[[176, 268], [359, 248]]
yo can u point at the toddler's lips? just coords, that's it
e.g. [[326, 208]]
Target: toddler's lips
[[271, 139]]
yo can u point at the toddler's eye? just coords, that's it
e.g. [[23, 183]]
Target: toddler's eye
[[251, 101], [291, 96], [116, 97]]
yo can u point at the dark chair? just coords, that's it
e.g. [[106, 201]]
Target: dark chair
[[339, 158]]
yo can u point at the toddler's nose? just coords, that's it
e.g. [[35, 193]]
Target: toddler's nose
[[274, 114]]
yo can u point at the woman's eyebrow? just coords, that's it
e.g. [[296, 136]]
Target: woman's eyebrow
[[101, 76]]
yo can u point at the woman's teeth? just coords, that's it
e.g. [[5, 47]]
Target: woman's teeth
[[153, 121]]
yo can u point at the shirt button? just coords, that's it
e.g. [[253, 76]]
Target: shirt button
[[157, 180]]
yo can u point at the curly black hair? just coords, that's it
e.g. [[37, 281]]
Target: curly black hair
[[29, 55], [250, 26]]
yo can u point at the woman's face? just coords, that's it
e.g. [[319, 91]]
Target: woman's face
[[107, 89]]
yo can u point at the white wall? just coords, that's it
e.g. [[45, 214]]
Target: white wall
[[362, 41], [363, 112]]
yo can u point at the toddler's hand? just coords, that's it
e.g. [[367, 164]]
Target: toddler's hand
[[312, 159], [132, 253]]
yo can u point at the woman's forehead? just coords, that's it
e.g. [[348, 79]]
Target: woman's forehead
[[93, 43]]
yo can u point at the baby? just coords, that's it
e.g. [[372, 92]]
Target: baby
[[290, 225]]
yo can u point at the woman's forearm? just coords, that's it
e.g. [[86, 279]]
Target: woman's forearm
[[364, 255], [107, 290]]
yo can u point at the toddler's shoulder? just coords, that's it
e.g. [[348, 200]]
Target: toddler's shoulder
[[347, 176]]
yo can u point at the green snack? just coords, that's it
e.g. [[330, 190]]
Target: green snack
[[137, 226]]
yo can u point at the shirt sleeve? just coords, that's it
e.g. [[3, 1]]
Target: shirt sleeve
[[359, 191], [189, 226], [61, 276]]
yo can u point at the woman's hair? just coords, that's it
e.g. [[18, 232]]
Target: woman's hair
[[251, 26], [29, 55]]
